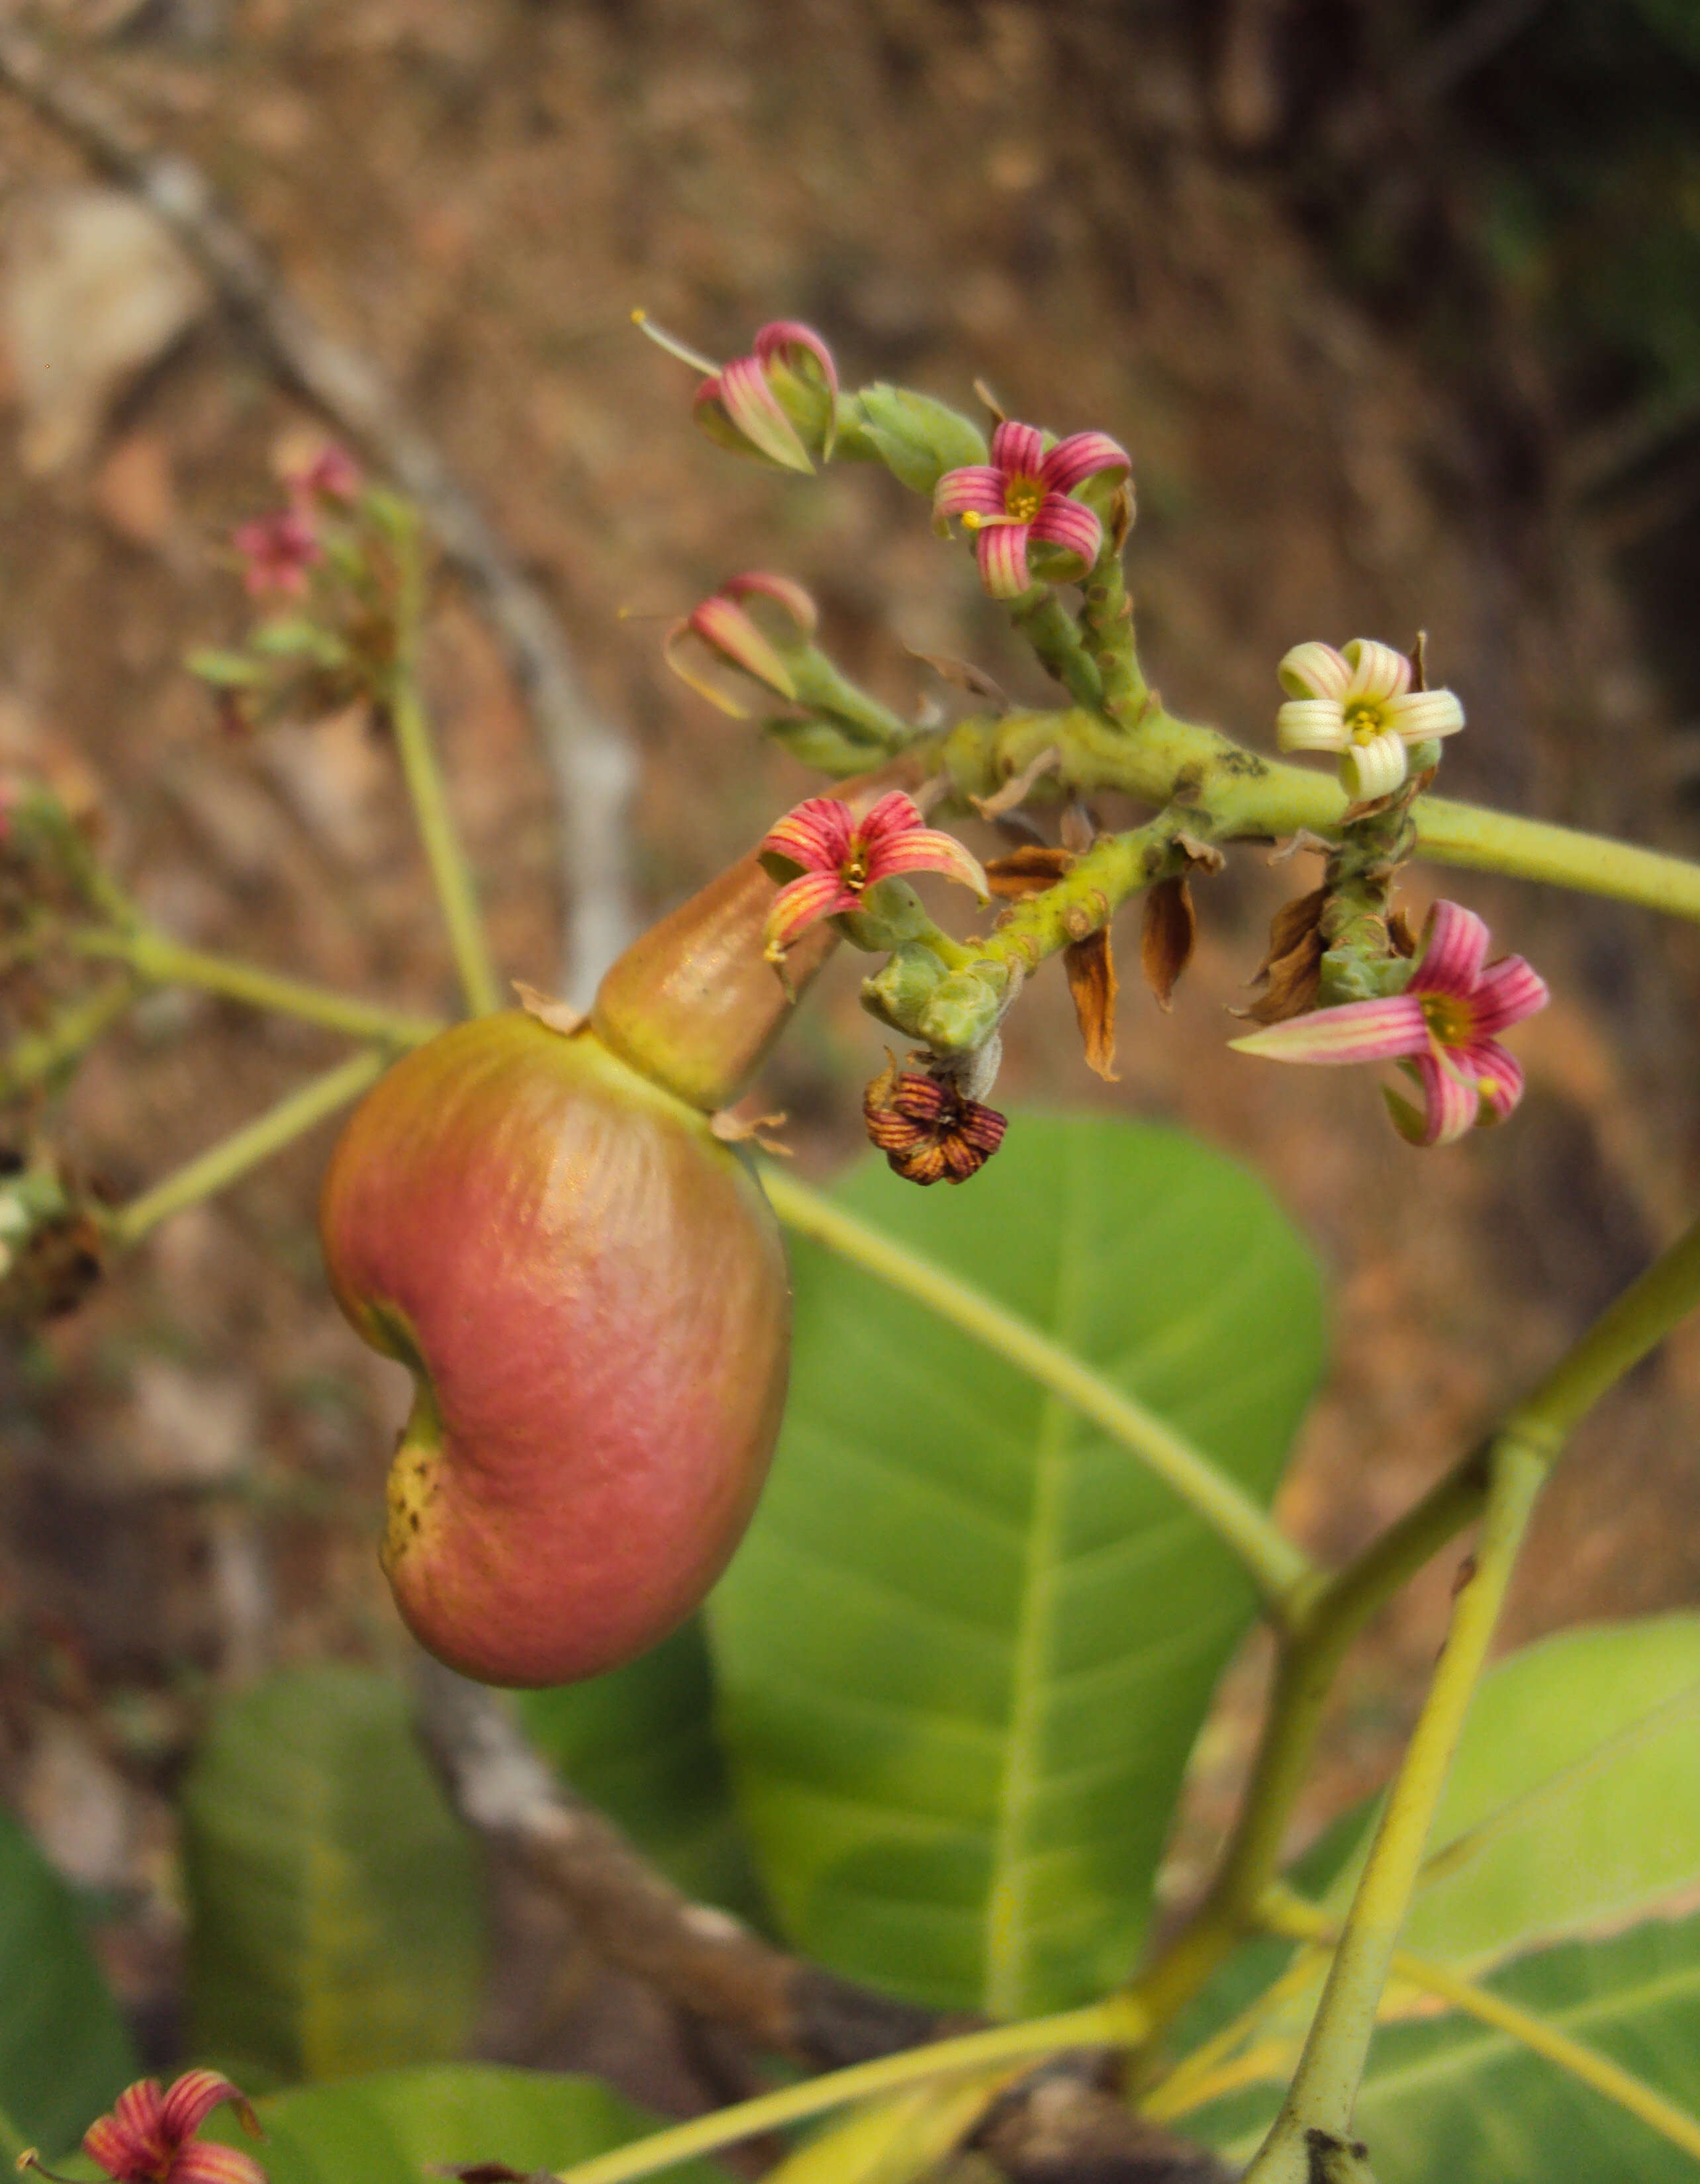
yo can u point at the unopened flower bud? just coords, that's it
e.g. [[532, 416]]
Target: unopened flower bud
[[964, 1009], [916, 438], [899, 992]]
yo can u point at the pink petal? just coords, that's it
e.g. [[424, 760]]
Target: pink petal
[[976, 489], [928, 849], [1069, 524], [782, 338], [673, 659], [1357, 1031], [1506, 992], [732, 633], [1081, 455], [755, 411], [1001, 548], [115, 2150], [1377, 671], [1449, 1102], [1314, 670], [802, 903], [1421, 715], [1499, 1079], [1310, 724], [894, 814], [817, 835], [1454, 943], [206, 2162], [192, 2098], [782, 590], [1018, 450]]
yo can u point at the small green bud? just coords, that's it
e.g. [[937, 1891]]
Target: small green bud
[[964, 1009], [916, 438], [898, 994], [891, 912]]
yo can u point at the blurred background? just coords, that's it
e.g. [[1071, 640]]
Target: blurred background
[[1396, 305]]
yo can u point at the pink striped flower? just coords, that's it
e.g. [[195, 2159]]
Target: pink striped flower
[[763, 404], [1359, 704], [1441, 1028], [724, 624], [1022, 498], [842, 856], [149, 2137], [333, 475], [277, 552]]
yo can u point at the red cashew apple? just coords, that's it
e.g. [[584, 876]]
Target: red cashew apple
[[590, 1292]]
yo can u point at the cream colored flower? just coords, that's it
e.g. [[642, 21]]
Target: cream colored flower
[[1359, 704]]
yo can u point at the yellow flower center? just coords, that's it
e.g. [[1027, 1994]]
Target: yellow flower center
[[854, 870], [1449, 1018], [1023, 497], [1364, 723]]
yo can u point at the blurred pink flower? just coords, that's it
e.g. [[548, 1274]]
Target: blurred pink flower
[[277, 552], [723, 624], [762, 405], [149, 2137]]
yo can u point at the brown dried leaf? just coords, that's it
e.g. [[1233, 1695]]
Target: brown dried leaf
[[1405, 942], [1091, 971], [1030, 870], [1166, 944]]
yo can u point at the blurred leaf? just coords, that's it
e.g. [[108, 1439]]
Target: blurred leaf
[[401, 2127], [965, 1650], [1608, 1844], [1450, 2098], [64, 2053], [639, 1744], [335, 1922], [231, 670]]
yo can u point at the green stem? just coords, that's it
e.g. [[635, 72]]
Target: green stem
[[40, 1055], [1283, 1913], [221, 1164], [1051, 632], [1518, 1460], [1328, 1611], [450, 874], [1323, 2092], [1106, 616], [1239, 794], [165, 962], [1278, 1567], [1116, 2023]]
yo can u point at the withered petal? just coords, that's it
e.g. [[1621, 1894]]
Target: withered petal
[[1093, 984], [1166, 943]]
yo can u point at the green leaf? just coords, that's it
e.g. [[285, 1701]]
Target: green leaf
[[334, 1906], [639, 1744], [916, 438], [402, 2126], [233, 671], [1450, 2098], [64, 2053], [965, 1650], [1600, 1845]]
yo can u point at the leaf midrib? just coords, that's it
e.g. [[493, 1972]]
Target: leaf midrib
[[1008, 1928]]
